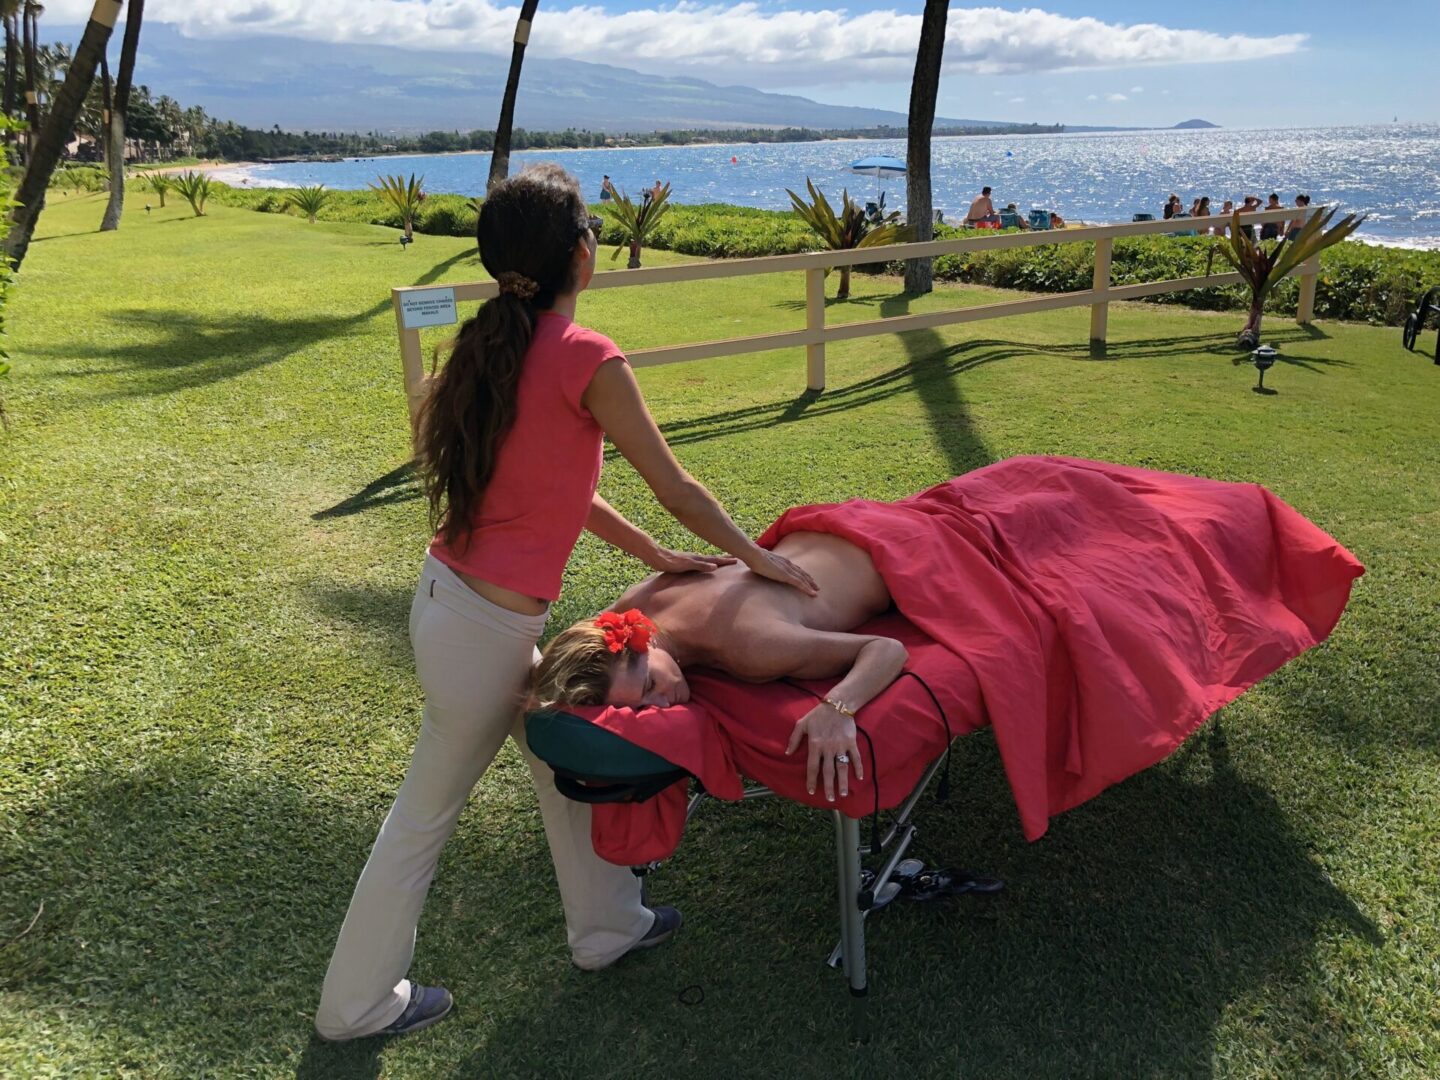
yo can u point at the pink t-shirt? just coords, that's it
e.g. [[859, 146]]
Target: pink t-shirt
[[538, 498]]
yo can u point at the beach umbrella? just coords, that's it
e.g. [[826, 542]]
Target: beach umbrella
[[880, 167]]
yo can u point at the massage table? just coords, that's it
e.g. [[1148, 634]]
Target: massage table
[[736, 753], [1094, 615]]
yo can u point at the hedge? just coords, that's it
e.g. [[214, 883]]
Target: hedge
[[1358, 282]]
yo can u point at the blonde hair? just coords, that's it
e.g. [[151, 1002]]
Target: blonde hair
[[576, 668]]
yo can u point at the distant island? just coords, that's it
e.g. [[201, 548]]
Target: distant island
[[1196, 124]]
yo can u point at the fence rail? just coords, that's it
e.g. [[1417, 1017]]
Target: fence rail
[[420, 306]]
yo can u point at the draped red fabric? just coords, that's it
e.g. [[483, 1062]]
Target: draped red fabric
[[1094, 614]]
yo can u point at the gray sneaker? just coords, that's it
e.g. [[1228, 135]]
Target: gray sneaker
[[428, 1005], [667, 921]]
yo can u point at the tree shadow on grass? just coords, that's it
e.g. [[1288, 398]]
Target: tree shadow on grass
[[1122, 941], [396, 486], [181, 350]]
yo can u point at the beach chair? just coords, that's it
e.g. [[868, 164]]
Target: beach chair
[[1142, 217], [1183, 232], [1039, 219], [1009, 219]]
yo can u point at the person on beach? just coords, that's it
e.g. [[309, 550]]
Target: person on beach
[[607, 191], [656, 190], [1295, 224], [1172, 206], [1270, 230], [982, 211], [1249, 206], [510, 450], [1223, 228], [1202, 209]]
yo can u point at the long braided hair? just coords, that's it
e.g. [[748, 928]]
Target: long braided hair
[[528, 230]]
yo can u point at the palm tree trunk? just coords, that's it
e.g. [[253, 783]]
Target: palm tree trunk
[[500, 156], [924, 88], [32, 99], [634, 263], [843, 293], [50, 141], [12, 61], [1250, 336], [115, 130]]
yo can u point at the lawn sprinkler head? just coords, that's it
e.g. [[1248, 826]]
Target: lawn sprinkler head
[[405, 241], [1264, 360]]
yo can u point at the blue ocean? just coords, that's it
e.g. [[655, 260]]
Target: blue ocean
[[1391, 173]]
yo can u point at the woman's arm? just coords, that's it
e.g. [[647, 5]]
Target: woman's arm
[[614, 399], [611, 526], [870, 664]]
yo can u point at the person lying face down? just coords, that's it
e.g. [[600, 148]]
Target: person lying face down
[[740, 623]]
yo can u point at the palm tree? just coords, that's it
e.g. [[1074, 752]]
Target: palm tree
[[119, 107], [405, 196], [924, 88], [160, 184], [10, 13], [50, 141], [637, 222], [29, 30], [500, 156], [309, 200], [851, 229], [1265, 265], [195, 187]]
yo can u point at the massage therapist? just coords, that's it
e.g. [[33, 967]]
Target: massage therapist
[[510, 452]]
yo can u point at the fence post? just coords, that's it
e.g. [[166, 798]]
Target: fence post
[[1305, 310], [815, 320], [1100, 284], [412, 361]]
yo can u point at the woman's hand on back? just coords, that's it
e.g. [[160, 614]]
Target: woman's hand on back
[[778, 568], [683, 562]]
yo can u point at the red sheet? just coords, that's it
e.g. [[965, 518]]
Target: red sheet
[[1100, 612]]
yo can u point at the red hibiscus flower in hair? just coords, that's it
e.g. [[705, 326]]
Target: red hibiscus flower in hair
[[626, 629]]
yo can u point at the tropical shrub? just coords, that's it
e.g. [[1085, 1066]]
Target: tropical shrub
[[79, 179], [1263, 265], [847, 230], [446, 218], [405, 196], [161, 185], [308, 200], [195, 187], [636, 222]]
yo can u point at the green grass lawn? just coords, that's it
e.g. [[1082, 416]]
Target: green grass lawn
[[208, 540]]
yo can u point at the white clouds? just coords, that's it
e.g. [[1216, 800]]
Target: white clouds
[[1137, 89], [1116, 97], [1017, 101], [735, 41]]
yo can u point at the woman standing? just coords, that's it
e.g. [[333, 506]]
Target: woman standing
[[510, 450]]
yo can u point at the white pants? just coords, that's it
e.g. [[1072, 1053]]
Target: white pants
[[472, 657]]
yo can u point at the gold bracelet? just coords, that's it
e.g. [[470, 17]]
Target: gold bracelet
[[839, 707]]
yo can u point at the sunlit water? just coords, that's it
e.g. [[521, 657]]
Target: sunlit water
[[1392, 173]]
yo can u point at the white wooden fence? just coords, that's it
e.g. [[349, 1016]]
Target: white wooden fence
[[420, 306]]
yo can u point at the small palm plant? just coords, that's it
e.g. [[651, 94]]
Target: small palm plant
[[406, 196], [1265, 265], [637, 222], [309, 200], [161, 185], [195, 187], [850, 229]]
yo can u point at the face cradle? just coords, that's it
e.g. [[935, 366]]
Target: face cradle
[[650, 679]]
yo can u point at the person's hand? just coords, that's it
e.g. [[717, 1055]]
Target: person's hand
[[778, 568], [829, 734], [682, 562]]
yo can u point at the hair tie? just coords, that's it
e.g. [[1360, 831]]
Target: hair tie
[[516, 284], [628, 629]]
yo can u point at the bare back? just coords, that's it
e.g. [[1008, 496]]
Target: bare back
[[728, 619]]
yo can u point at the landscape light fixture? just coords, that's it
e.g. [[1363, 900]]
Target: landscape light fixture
[[405, 241], [1264, 359]]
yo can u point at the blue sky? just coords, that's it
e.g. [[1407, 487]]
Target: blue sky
[[1116, 62]]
